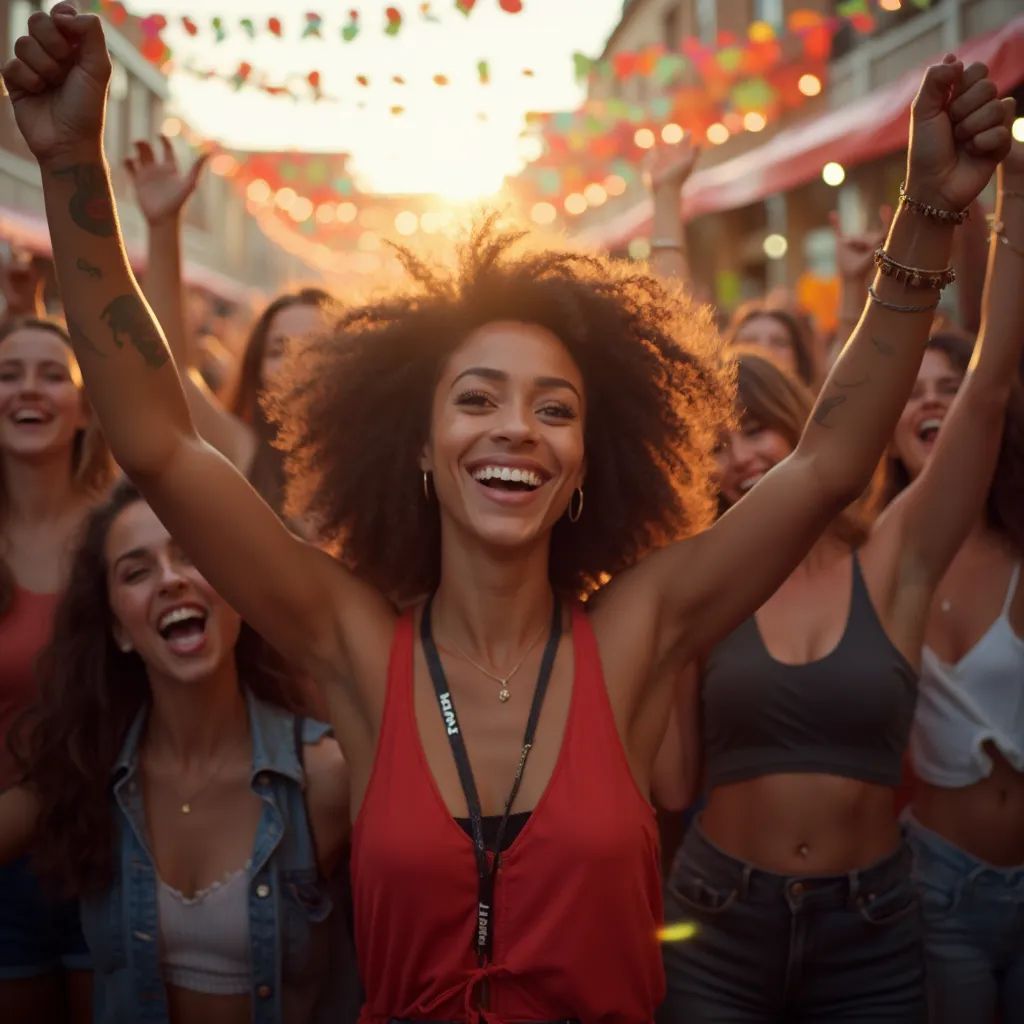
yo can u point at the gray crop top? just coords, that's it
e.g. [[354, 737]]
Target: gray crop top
[[846, 714]]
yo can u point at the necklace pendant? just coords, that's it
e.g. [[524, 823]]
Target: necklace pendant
[[186, 808], [503, 694]]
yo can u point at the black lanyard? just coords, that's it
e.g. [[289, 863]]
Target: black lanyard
[[446, 703]]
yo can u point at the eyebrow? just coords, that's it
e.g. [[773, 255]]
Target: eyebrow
[[500, 376], [134, 553]]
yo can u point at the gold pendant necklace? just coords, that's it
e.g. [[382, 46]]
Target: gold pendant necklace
[[503, 692]]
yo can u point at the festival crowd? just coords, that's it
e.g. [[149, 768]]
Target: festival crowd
[[521, 646]]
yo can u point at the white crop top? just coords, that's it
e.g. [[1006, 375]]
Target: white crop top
[[204, 939], [961, 707]]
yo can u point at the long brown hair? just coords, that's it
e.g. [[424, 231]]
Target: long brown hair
[[267, 471], [799, 334], [92, 467], [776, 399], [67, 744], [1004, 506]]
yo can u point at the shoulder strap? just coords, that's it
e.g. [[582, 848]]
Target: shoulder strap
[[1011, 590]]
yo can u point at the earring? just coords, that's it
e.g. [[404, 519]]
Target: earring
[[125, 646], [574, 516], [426, 485]]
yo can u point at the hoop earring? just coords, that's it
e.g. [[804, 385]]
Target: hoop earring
[[574, 517], [426, 485]]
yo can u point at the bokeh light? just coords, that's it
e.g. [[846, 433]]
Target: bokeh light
[[644, 138], [575, 204], [672, 134], [171, 127], [717, 133], [775, 246], [1018, 129], [615, 184], [258, 190], [754, 121], [595, 195], [639, 249], [407, 223], [809, 85], [543, 213], [347, 212], [833, 173]]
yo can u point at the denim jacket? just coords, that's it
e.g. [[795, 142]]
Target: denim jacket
[[294, 944]]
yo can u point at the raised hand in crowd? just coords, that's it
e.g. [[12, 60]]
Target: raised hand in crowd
[[162, 190], [667, 169], [21, 285]]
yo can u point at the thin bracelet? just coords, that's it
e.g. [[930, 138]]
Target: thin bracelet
[[1011, 193], [929, 211], [914, 277], [664, 243], [873, 295], [999, 230]]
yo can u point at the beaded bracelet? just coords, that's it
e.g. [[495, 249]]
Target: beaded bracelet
[[932, 212], [915, 277], [895, 307], [999, 230]]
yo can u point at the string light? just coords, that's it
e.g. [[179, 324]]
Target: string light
[[575, 204], [301, 209], [672, 134], [347, 212], [1018, 129], [614, 185], [717, 133], [775, 246], [890, 5], [809, 85], [595, 195], [284, 197], [326, 213], [223, 165], [833, 174], [431, 222], [406, 223], [171, 127], [543, 213], [754, 121], [258, 191], [644, 138]]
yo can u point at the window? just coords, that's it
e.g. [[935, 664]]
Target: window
[[707, 21], [670, 23], [768, 10]]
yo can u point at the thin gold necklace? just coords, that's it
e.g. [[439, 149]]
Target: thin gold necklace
[[503, 693]]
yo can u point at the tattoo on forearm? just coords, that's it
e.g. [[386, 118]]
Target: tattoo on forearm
[[90, 206], [77, 334], [826, 407], [89, 268], [885, 347], [853, 384], [129, 320]]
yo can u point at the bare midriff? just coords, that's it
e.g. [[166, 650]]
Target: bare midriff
[[803, 824], [985, 819], [188, 1007]]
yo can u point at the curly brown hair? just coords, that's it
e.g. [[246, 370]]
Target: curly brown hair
[[1006, 492], [354, 411], [66, 745]]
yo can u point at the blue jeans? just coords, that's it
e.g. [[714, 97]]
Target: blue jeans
[[974, 931], [792, 950]]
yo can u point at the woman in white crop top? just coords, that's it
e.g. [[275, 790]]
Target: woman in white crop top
[[966, 823]]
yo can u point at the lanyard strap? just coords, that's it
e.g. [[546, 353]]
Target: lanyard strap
[[446, 703]]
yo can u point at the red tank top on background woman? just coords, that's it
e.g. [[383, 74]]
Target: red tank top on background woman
[[578, 896], [25, 630]]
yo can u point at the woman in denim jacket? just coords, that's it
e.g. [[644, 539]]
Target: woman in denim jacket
[[172, 787]]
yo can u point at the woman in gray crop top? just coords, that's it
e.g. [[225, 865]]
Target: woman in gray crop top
[[796, 874], [966, 822], [173, 787]]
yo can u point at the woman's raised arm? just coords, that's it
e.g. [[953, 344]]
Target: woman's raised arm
[[702, 587], [286, 589]]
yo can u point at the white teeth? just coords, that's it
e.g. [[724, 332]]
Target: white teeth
[[29, 416], [507, 473], [930, 424], [179, 615], [745, 485]]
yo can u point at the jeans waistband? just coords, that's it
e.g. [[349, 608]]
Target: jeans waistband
[[937, 848], [700, 856]]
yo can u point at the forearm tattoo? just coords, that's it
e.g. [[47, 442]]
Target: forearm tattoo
[[89, 268], [129, 320], [90, 206], [886, 348], [826, 407], [77, 334]]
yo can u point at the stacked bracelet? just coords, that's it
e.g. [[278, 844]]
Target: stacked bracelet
[[999, 230], [932, 212], [915, 277], [896, 307]]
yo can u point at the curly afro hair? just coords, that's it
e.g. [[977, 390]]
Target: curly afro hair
[[354, 409]]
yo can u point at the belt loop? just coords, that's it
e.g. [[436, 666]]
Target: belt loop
[[745, 881]]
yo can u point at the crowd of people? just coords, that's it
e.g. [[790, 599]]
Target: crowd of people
[[349, 693]]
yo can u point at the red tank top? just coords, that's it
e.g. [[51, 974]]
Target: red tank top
[[578, 896], [24, 631]]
